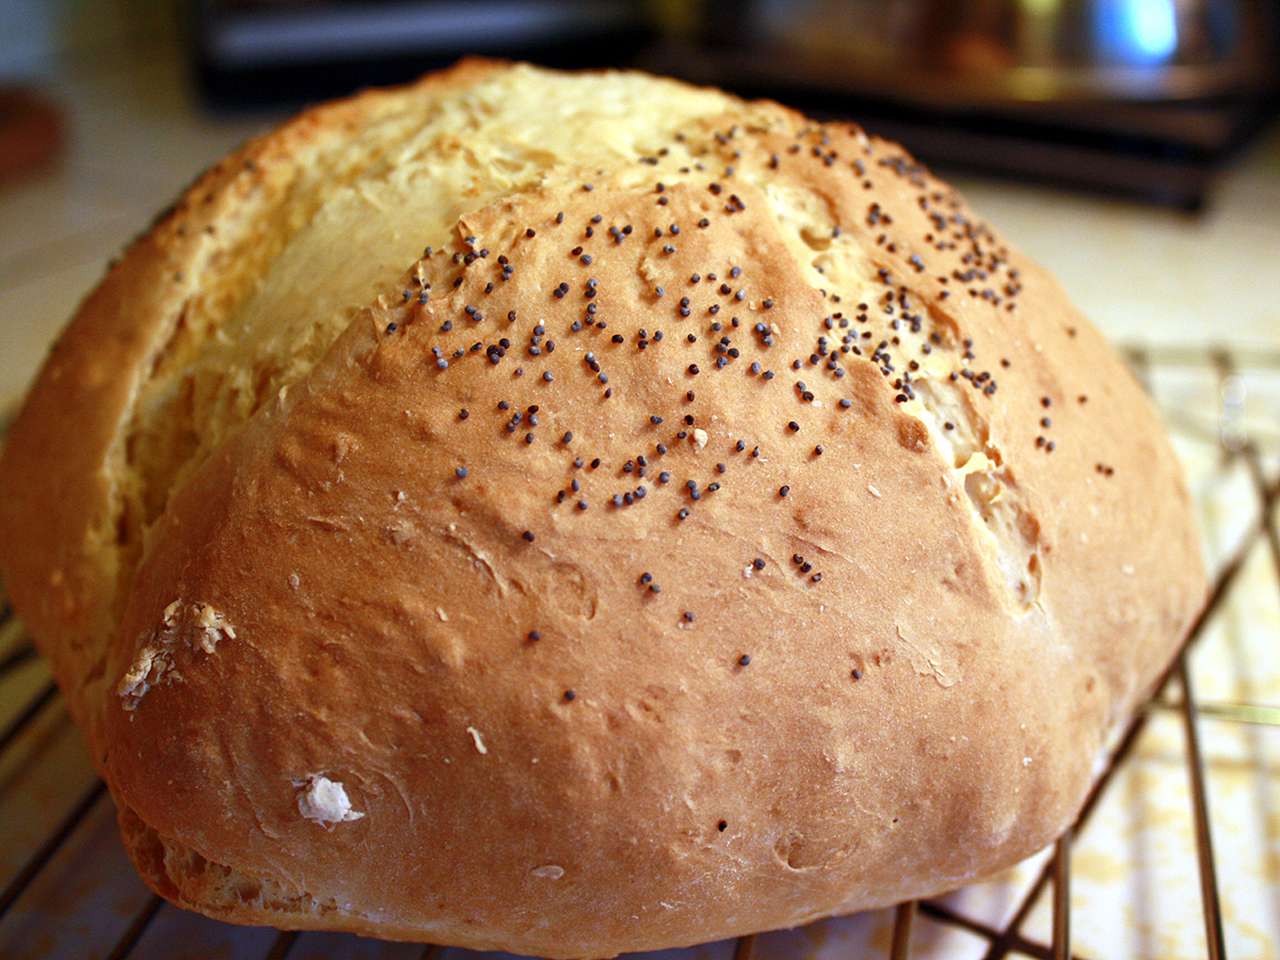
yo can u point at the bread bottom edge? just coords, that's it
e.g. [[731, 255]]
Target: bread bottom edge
[[191, 881]]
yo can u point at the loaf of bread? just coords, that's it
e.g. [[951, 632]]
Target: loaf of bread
[[575, 514]]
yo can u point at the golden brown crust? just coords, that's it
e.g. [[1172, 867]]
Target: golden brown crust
[[331, 599], [63, 463]]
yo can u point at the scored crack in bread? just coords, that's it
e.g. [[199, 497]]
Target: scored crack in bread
[[715, 528]]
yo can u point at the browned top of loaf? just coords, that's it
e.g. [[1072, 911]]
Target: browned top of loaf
[[693, 647]]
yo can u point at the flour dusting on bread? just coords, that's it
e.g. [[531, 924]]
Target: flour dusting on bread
[[325, 801], [183, 626]]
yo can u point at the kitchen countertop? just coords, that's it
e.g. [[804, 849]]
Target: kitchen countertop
[[1148, 277]]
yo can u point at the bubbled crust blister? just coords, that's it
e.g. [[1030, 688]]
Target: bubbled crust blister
[[547, 753]]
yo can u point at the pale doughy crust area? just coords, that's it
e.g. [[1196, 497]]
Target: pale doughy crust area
[[582, 514]]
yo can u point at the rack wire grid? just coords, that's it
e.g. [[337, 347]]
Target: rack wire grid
[[68, 891]]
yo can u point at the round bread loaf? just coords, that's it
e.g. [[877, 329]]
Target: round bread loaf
[[576, 514]]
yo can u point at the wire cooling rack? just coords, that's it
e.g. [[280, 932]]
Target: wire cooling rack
[[66, 889]]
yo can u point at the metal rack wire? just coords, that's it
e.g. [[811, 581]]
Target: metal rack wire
[[1174, 693]]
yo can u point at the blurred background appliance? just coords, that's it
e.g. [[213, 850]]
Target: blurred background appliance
[[1141, 97], [250, 52]]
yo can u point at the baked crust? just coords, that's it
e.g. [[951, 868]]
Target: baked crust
[[322, 596]]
